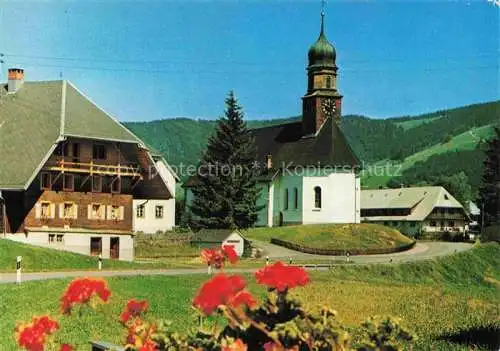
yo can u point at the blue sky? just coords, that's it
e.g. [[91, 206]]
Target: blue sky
[[145, 60]]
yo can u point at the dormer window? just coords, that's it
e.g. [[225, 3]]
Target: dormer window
[[68, 182], [46, 181]]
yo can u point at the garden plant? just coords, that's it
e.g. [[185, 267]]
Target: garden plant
[[278, 323]]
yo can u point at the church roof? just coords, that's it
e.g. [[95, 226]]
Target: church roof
[[288, 147]]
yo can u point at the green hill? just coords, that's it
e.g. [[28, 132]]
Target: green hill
[[443, 140]]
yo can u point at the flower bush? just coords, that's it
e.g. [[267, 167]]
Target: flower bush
[[278, 323], [217, 257]]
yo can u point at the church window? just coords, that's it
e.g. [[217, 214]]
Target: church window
[[328, 82], [286, 199], [296, 198], [317, 197]]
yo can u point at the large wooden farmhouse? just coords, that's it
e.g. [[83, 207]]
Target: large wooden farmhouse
[[310, 173], [415, 210], [72, 177]]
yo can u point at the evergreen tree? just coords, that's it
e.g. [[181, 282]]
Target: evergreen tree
[[489, 192], [225, 192]]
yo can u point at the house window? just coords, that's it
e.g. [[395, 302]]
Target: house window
[[60, 238], [68, 182], [99, 152], [159, 211], [69, 210], [95, 246], [286, 199], [52, 238], [45, 180], [45, 209], [96, 184], [115, 213], [451, 223], [76, 151], [433, 223], [116, 186], [296, 198], [97, 211], [317, 197], [140, 211], [62, 149]]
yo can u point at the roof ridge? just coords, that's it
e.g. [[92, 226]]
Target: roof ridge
[[274, 125], [114, 119]]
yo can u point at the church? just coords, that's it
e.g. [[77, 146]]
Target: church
[[308, 172], [311, 173]]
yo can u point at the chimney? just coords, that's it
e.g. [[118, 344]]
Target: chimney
[[269, 161], [16, 79]]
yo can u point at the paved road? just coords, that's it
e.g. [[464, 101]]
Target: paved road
[[421, 251]]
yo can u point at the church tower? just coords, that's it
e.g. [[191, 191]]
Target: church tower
[[322, 100]]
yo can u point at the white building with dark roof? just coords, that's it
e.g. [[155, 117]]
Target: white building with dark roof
[[415, 210]]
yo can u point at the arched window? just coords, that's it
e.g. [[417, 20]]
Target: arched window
[[317, 197], [296, 198], [328, 82], [286, 199]]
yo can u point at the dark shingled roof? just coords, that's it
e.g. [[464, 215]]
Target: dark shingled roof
[[288, 147], [213, 235], [32, 121]]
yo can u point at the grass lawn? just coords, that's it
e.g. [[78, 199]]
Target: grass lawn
[[433, 298], [333, 236], [167, 245], [37, 259]]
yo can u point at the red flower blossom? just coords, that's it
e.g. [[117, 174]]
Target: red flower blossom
[[209, 256], [81, 290], [139, 333], [149, 345], [133, 308], [237, 345], [32, 336], [66, 347], [242, 298], [230, 253], [282, 277], [222, 290]]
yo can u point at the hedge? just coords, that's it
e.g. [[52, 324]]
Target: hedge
[[341, 252]]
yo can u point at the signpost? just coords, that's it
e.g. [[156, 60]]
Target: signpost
[[18, 269]]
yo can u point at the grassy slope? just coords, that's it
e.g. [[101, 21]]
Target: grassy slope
[[333, 236], [37, 259], [434, 297], [465, 141], [412, 123], [166, 245]]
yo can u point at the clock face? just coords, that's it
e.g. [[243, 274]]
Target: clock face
[[328, 107]]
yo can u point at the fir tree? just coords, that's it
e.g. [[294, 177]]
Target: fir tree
[[489, 192], [225, 192]]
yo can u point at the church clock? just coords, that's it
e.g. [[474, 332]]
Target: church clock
[[328, 107]]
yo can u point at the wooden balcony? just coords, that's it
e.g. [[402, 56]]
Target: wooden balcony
[[121, 170]]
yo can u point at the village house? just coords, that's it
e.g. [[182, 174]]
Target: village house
[[72, 177], [415, 210], [309, 171]]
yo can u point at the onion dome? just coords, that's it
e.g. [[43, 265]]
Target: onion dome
[[322, 53]]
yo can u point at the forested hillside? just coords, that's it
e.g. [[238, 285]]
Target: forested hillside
[[442, 143]]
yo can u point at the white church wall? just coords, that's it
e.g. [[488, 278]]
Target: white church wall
[[340, 201]]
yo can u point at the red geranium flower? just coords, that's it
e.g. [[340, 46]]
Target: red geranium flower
[[149, 345], [222, 290], [81, 290], [237, 345], [242, 298], [32, 336], [133, 308], [282, 277], [230, 253], [66, 347]]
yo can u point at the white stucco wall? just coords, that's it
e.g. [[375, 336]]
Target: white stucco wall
[[149, 224], [340, 200], [78, 242]]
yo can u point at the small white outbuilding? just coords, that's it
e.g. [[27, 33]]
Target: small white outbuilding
[[211, 238]]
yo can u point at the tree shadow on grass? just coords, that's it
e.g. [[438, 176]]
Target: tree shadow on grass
[[485, 337]]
